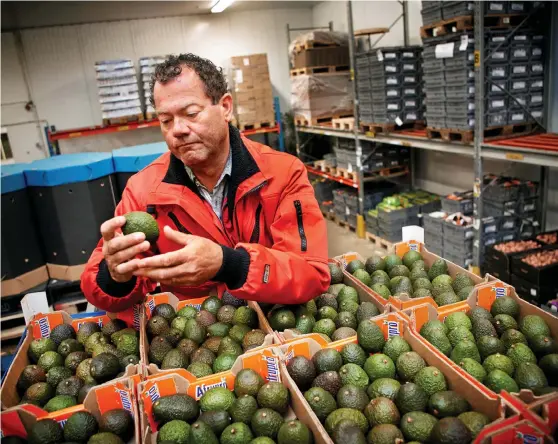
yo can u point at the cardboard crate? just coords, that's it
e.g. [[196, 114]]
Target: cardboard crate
[[168, 298], [265, 362], [40, 327], [117, 394], [482, 296], [405, 301], [393, 324]]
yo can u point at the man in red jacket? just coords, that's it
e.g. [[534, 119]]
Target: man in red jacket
[[233, 214]]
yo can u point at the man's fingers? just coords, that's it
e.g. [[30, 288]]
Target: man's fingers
[[159, 274], [110, 226], [163, 260], [177, 236], [129, 253], [120, 243], [127, 267]]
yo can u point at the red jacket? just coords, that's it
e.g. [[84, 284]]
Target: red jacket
[[273, 234]]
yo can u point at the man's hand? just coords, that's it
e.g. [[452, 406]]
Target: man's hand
[[196, 263], [120, 251]]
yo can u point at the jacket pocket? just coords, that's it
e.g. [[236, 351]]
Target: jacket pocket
[[300, 223], [176, 222], [255, 237]]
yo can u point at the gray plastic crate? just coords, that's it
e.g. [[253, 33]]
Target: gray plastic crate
[[429, 66], [399, 216], [436, 107], [463, 60], [498, 209], [458, 234], [459, 76], [434, 78], [458, 107], [431, 15], [436, 92], [462, 123], [460, 91], [465, 205], [457, 9], [433, 224], [463, 250], [433, 241]]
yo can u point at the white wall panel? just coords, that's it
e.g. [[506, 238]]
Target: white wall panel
[[13, 85], [56, 76], [157, 36]]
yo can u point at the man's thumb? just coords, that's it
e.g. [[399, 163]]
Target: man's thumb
[[176, 236]]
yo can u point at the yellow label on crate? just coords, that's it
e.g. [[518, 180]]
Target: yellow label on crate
[[514, 156], [477, 59]]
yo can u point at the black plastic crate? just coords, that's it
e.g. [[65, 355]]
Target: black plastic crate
[[519, 70], [499, 71], [536, 83], [519, 52], [457, 9], [519, 85], [518, 7], [503, 261], [535, 53], [496, 118], [542, 277], [536, 68], [500, 189], [495, 7], [462, 203], [532, 292], [496, 269]]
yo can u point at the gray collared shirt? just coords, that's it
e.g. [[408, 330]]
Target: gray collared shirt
[[216, 197]]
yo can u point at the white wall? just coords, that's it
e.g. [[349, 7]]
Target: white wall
[[61, 59]]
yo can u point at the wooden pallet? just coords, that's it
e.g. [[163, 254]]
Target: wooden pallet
[[345, 173], [379, 242], [329, 215], [124, 120], [450, 135], [256, 125], [508, 131], [323, 166], [313, 44], [445, 27], [311, 70], [503, 20], [150, 116], [387, 128], [345, 124], [345, 225], [323, 120]]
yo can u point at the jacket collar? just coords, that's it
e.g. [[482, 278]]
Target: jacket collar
[[243, 168]]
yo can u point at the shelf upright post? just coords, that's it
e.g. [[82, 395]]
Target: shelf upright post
[[352, 57], [479, 128]]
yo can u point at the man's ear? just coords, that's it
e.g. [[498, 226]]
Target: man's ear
[[226, 103]]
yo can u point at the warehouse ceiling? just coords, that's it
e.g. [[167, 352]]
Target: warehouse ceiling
[[36, 14]]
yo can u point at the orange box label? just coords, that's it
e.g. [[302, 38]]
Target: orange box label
[[198, 388], [298, 349], [177, 371], [265, 363], [100, 320], [391, 325], [61, 416], [11, 425], [404, 247], [153, 391], [196, 303], [487, 294], [115, 396], [44, 323]]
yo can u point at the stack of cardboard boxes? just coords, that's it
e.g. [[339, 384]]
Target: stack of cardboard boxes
[[147, 68], [252, 92]]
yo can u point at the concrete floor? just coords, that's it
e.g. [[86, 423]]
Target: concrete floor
[[340, 241]]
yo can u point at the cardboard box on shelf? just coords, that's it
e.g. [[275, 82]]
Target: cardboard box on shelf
[[482, 296], [404, 301], [168, 298], [116, 394], [40, 327], [393, 324]]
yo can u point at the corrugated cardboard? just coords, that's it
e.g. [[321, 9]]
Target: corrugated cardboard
[[405, 301], [168, 298], [24, 282], [393, 324], [40, 327]]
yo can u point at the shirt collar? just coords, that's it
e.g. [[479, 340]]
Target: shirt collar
[[226, 172]]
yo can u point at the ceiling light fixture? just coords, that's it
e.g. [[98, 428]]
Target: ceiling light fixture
[[221, 5]]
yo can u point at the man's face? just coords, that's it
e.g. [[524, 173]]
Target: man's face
[[194, 128]]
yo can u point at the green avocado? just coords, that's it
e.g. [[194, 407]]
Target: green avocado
[[141, 222]]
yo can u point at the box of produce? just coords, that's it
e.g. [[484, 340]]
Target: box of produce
[[546, 410], [498, 340], [385, 384], [199, 336], [537, 266], [109, 414], [334, 314], [61, 358], [410, 276], [237, 407], [498, 257], [550, 238]]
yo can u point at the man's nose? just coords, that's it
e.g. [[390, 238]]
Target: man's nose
[[180, 127]]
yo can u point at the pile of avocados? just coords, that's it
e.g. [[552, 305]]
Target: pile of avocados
[[394, 276], [378, 391], [252, 413], [334, 314], [498, 347], [204, 342], [66, 365], [114, 427]]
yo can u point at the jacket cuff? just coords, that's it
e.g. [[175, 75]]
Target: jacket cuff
[[112, 287], [234, 270]]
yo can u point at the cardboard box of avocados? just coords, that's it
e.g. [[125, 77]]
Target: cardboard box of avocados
[[393, 324], [114, 395], [152, 301], [41, 326], [265, 362], [403, 301], [482, 296]]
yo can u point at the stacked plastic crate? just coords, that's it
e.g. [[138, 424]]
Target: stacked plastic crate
[[389, 85], [515, 64], [147, 68], [117, 86], [457, 228]]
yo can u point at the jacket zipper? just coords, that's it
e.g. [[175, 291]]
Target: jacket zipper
[[253, 190], [302, 234], [180, 227], [255, 237]]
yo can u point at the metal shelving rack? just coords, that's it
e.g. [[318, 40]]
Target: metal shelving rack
[[479, 151]]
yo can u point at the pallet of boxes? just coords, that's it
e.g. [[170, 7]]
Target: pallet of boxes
[[252, 92], [147, 68], [117, 86], [321, 91]]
